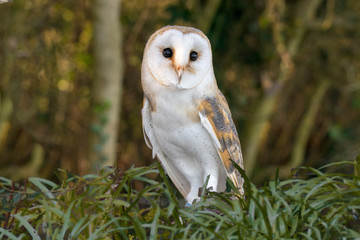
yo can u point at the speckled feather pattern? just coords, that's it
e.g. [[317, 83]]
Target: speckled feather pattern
[[217, 111]]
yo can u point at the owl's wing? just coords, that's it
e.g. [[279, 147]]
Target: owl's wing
[[215, 116], [176, 177]]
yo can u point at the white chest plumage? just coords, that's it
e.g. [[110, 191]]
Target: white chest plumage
[[186, 120], [185, 142]]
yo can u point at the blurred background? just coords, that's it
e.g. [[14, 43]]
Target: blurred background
[[290, 70]]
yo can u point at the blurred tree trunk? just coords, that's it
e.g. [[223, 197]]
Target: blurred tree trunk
[[206, 15], [259, 125], [108, 82]]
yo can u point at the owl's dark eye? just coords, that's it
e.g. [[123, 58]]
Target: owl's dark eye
[[193, 56], [167, 52]]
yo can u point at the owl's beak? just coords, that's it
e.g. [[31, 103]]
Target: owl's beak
[[179, 71]]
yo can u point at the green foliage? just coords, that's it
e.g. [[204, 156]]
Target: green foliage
[[106, 206]]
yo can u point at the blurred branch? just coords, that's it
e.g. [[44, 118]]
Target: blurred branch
[[302, 137], [6, 105], [259, 124], [275, 12], [306, 11], [30, 169], [135, 31], [207, 15], [335, 23], [6, 109], [306, 125], [23, 119], [352, 87], [330, 9]]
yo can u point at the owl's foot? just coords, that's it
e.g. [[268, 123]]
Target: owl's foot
[[187, 204]]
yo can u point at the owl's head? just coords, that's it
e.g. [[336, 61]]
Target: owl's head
[[178, 57]]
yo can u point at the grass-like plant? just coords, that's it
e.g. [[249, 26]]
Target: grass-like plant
[[106, 206]]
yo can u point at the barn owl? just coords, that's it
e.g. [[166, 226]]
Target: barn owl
[[186, 119]]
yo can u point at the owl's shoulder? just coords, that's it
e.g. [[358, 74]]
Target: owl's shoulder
[[217, 110], [214, 105]]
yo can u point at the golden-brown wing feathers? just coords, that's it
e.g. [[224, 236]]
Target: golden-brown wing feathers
[[221, 126]]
